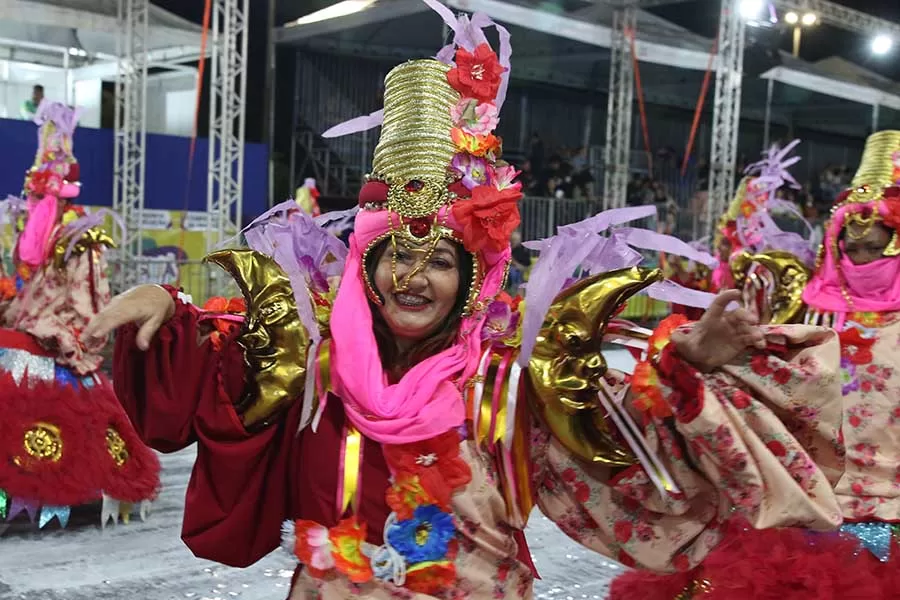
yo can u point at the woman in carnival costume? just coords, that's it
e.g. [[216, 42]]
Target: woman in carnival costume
[[396, 438], [64, 438], [855, 289]]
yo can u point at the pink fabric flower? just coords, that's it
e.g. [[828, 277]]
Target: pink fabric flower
[[320, 548], [475, 118], [501, 321], [474, 170], [504, 178]]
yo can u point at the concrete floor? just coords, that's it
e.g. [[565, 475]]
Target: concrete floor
[[147, 561]]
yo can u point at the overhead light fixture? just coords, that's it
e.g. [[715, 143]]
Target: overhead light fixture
[[751, 10], [882, 44], [791, 18], [809, 19], [341, 9]]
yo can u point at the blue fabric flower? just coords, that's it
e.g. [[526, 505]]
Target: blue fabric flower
[[65, 377], [425, 537]]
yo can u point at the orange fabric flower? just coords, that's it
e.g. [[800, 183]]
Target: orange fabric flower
[[477, 75], [646, 393], [663, 333], [476, 145], [347, 538], [431, 577], [435, 462], [7, 288], [488, 218], [216, 304], [406, 494]]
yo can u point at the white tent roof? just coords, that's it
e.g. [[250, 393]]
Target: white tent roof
[[42, 31]]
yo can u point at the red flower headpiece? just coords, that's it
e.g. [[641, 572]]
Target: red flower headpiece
[[477, 75]]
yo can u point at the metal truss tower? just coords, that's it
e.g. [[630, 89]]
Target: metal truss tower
[[726, 111], [617, 151], [228, 90], [131, 128]]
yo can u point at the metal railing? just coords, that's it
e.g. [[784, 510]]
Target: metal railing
[[201, 281]]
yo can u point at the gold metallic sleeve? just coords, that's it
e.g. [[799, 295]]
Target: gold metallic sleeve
[[275, 342], [567, 367]]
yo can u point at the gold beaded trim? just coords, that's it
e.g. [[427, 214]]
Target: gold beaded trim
[[696, 588], [43, 442], [116, 447]]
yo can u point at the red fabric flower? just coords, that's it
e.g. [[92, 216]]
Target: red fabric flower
[[477, 75], [892, 204], [488, 218], [782, 376], [856, 348], [436, 462], [740, 399], [776, 448], [460, 189], [623, 531]]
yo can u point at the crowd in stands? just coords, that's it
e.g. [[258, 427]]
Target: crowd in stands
[[566, 173]]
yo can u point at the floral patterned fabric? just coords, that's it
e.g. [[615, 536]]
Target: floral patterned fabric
[[757, 439], [56, 304], [870, 355]]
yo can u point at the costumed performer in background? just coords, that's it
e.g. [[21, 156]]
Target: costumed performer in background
[[64, 438], [307, 197], [396, 440], [855, 290]]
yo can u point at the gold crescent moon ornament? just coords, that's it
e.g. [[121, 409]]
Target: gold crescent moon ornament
[[783, 304], [567, 367], [273, 338]]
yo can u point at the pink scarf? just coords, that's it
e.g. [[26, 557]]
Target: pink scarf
[[873, 287], [428, 400], [35, 238]]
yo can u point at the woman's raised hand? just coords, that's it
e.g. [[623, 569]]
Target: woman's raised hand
[[149, 306], [720, 337]]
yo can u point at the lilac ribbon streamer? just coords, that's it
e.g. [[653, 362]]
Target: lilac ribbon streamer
[[651, 240], [77, 228], [581, 246], [669, 291], [364, 123], [304, 250]]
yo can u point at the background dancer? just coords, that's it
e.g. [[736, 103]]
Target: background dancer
[[64, 439]]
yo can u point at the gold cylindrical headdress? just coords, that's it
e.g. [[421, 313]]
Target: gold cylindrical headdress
[[879, 168], [415, 148]]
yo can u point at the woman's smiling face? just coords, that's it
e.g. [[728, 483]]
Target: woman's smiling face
[[414, 313]]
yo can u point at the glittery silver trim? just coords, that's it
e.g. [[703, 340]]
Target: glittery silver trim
[[19, 363]]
